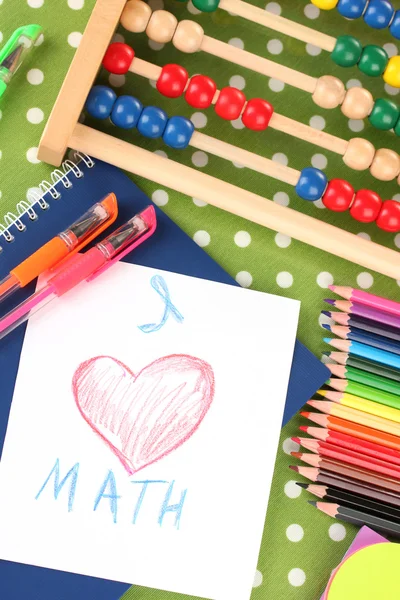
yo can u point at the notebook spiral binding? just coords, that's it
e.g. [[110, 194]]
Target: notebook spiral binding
[[37, 200]]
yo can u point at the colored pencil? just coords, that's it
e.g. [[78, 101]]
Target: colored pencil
[[364, 378], [367, 406], [364, 337], [343, 440], [365, 351], [347, 320], [367, 392], [354, 429], [361, 310], [368, 299], [358, 517], [331, 494], [356, 416], [348, 484], [366, 365]]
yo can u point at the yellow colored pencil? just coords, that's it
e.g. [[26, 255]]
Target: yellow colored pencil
[[367, 406]]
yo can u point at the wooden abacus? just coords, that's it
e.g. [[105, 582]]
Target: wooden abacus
[[64, 131]]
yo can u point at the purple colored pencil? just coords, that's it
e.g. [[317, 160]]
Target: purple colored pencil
[[365, 311]]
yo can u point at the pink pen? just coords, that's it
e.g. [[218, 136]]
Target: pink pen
[[85, 266]]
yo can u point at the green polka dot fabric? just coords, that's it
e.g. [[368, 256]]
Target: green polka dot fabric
[[300, 545]]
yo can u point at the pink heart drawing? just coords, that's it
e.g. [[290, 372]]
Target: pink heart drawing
[[146, 416]]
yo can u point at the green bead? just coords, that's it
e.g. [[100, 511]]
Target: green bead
[[206, 5], [385, 114], [347, 51], [373, 60], [397, 128]]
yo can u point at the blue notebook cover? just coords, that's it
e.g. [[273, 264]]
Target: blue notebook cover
[[170, 249]]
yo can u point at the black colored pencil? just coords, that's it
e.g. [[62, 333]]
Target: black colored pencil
[[366, 365], [364, 324]]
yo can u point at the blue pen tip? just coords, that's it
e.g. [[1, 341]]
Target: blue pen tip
[[328, 340], [326, 326]]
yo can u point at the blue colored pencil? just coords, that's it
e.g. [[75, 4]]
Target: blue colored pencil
[[364, 337], [365, 351]]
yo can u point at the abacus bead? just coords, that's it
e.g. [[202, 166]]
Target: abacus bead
[[389, 216], [378, 14], [126, 112], [257, 114], [118, 58], [386, 165], [392, 72], [178, 132], [100, 101], [357, 103], [172, 81], [188, 37], [230, 103], [359, 154], [311, 184], [347, 51], [329, 92], [366, 206], [135, 16], [373, 60], [161, 27], [338, 195], [206, 5], [351, 9], [385, 114], [325, 4], [397, 128], [200, 91], [152, 122], [395, 25]]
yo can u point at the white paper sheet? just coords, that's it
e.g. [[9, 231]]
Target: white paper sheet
[[108, 397]]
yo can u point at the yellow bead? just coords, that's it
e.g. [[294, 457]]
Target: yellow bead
[[392, 72], [325, 4]]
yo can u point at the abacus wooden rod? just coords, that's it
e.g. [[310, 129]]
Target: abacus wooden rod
[[235, 200]]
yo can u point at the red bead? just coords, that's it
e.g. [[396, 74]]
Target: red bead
[[338, 195], [118, 58], [200, 92], [389, 217], [172, 81], [257, 114], [366, 206], [230, 103]]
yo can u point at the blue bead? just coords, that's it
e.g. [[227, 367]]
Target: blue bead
[[311, 184], [126, 112], [351, 9], [379, 13], [152, 122], [100, 101], [395, 26], [178, 132]]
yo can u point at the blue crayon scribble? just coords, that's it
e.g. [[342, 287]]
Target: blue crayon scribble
[[177, 508], [73, 473], [160, 286], [142, 494], [112, 496]]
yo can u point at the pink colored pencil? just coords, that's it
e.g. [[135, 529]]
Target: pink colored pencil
[[360, 310], [376, 302]]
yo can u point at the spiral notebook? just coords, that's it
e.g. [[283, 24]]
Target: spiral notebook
[[72, 190]]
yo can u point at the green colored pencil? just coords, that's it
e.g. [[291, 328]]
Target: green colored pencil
[[344, 358], [364, 391], [369, 379]]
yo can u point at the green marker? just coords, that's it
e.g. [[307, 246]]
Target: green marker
[[13, 53]]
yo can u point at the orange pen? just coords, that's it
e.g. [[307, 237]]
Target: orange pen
[[66, 243]]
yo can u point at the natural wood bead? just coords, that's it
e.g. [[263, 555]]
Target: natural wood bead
[[188, 37], [357, 103], [136, 16], [386, 165], [359, 154], [329, 93], [161, 27]]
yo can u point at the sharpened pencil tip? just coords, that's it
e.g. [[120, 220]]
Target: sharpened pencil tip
[[330, 301], [328, 340], [296, 454], [332, 287], [302, 485], [312, 502], [296, 440], [327, 313], [304, 428], [305, 414], [326, 326], [294, 468]]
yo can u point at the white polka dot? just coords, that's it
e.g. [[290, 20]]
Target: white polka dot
[[1, 114], [31, 155], [1, 154], [276, 85], [116, 80], [192, 9], [289, 446], [313, 50], [282, 240], [117, 37], [202, 238], [294, 533], [244, 279], [40, 39], [153, 83], [35, 115], [1, 36], [199, 120], [198, 202], [274, 8], [258, 578], [317, 122], [396, 197], [161, 153], [238, 124], [364, 236], [353, 83], [74, 39], [292, 490], [392, 91], [280, 158], [274, 46], [324, 320], [156, 4], [33, 193], [391, 49], [238, 165], [296, 577], [155, 45], [238, 82], [337, 532], [365, 280], [356, 125], [397, 240], [281, 198], [35, 3], [237, 42], [319, 204], [199, 158], [284, 279], [160, 197], [324, 279], [311, 11], [76, 4], [398, 282], [319, 161], [242, 239], [35, 76]]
